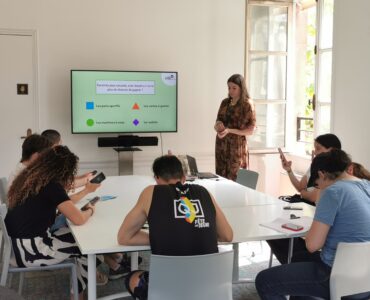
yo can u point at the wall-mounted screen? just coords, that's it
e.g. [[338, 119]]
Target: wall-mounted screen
[[123, 101]]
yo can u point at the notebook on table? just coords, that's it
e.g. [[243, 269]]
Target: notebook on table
[[193, 169]]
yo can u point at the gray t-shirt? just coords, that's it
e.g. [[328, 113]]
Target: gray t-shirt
[[345, 207]]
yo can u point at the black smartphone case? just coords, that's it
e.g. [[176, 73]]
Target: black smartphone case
[[98, 178]]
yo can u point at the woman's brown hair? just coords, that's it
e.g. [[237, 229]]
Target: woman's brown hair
[[359, 171], [239, 81], [56, 164]]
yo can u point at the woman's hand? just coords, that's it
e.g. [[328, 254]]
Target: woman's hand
[[287, 165], [223, 133], [219, 126], [90, 209], [76, 216]]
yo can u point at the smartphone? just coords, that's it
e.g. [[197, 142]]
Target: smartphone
[[98, 178], [92, 202], [292, 226], [93, 172], [281, 154]]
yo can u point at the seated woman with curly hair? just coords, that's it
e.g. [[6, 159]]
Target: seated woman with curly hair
[[34, 196]]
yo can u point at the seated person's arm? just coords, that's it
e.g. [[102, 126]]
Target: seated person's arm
[[72, 213], [130, 232], [82, 179], [316, 236], [299, 185], [224, 230], [89, 188], [312, 195]]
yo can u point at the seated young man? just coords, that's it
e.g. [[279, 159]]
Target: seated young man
[[184, 219], [32, 146]]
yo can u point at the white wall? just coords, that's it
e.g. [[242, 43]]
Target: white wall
[[201, 39], [351, 77]]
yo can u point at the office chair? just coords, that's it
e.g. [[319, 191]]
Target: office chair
[[350, 274], [247, 178], [7, 268], [195, 277]]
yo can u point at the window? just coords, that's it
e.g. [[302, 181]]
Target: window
[[288, 71], [267, 68], [324, 51]]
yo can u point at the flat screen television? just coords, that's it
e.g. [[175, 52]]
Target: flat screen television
[[123, 101]]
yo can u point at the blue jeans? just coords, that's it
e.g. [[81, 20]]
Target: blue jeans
[[60, 221], [305, 279]]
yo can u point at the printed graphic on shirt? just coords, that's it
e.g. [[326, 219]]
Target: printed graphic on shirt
[[188, 209]]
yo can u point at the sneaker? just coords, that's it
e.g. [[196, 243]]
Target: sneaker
[[101, 279], [120, 272]]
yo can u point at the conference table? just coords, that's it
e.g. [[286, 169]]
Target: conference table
[[244, 208]]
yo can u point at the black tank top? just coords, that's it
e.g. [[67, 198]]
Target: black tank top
[[182, 221]]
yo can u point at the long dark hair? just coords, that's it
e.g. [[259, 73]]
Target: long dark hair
[[329, 140], [333, 163], [359, 171], [56, 164], [239, 81]]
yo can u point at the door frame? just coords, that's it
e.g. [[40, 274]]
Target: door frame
[[35, 75]]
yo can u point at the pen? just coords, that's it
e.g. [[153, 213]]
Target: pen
[[293, 208], [108, 197]]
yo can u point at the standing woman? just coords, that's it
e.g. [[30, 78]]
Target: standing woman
[[236, 119], [34, 196]]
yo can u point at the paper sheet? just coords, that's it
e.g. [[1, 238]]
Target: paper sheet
[[277, 223]]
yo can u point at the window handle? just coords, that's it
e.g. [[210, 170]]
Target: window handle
[[313, 102]]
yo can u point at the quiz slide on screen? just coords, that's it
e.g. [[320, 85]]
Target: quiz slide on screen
[[118, 101]]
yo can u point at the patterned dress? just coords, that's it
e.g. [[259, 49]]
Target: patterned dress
[[231, 151]]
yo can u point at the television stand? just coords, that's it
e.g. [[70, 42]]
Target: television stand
[[124, 146], [126, 160]]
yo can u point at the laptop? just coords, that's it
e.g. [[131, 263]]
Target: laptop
[[193, 169]]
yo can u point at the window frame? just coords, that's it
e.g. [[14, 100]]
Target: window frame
[[290, 133], [319, 52], [289, 60]]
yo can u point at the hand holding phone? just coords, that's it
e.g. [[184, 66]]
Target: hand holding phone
[[292, 226], [282, 156], [98, 178], [287, 165], [91, 202], [93, 172]]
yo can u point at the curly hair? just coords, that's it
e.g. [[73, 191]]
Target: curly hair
[[56, 164]]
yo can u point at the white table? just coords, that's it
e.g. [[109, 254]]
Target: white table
[[244, 208]]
